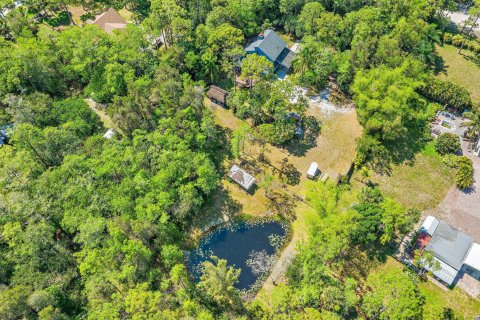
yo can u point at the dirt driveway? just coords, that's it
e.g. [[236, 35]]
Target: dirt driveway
[[461, 208]]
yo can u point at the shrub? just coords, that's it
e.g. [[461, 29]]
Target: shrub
[[447, 37], [447, 143], [464, 177], [447, 92], [451, 160], [457, 40]]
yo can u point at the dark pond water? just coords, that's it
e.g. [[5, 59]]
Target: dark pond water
[[248, 246]]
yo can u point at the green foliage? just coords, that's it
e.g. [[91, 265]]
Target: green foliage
[[380, 219], [458, 40], [447, 93], [94, 228], [255, 67], [314, 63], [464, 178], [240, 136], [393, 295], [274, 108], [450, 160], [447, 143], [387, 101], [217, 282]]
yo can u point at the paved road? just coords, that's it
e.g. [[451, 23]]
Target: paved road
[[459, 17]]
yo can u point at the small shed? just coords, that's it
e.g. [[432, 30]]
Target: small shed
[[217, 95], [312, 171], [109, 134], [243, 178]]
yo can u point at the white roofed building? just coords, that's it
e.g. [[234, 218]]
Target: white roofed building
[[430, 225], [243, 178], [451, 248], [312, 171], [109, 134]]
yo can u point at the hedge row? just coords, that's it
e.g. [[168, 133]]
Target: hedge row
[[457, 40], [447, 92]]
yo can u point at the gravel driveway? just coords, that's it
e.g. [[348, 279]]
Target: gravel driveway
[[459, 17], [461, 208]]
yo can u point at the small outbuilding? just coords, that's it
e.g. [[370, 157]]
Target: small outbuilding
[[109, 134], [312, 171], [243, 178], [217, 95]]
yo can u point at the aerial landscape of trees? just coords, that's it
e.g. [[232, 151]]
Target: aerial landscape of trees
[[95, 228]]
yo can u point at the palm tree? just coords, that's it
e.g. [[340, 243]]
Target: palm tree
[[473, 125]]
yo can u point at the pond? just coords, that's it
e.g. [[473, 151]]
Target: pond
[[250, 247]]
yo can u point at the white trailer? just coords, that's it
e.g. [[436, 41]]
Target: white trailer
[[312, 171]]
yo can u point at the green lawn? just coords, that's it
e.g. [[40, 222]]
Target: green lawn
[[437, 298], [421, 184], [459, 69], [464, 306]]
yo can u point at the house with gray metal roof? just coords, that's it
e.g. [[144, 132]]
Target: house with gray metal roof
[[243, 178], [270, 45], [451, 248]]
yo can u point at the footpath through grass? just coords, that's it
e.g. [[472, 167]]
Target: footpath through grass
[[459, 68]]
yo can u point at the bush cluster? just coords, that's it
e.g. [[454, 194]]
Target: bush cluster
[[457, 40], [447, 92], [464, 178], [447, 143]]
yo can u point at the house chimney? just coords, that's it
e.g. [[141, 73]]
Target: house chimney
[[261, 36]]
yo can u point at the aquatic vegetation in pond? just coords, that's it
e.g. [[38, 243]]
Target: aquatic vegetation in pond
[[260, 262], [250, 247]]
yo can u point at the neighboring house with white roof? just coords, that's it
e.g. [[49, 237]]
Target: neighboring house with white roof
[[451, 248]]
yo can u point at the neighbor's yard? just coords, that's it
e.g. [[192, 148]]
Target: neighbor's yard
[[422, 184], [437, 298], [459, 68]]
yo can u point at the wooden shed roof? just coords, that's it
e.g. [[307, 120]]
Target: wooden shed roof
[[218, 94]]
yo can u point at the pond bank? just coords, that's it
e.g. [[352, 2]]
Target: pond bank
[[251, 246]]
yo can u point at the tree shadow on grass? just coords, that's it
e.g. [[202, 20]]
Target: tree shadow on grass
[[401, 151], [220, 207], [222, 152], [60, 19], [439, 65], [297, 147], [361, 260], [473, 59], [307, 140]]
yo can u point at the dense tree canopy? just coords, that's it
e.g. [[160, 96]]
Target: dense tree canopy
[[95, 228]]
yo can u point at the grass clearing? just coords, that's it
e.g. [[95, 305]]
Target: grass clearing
[[334, 151], [437, 298], [422, 184], [459, 69], [464, 306]]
